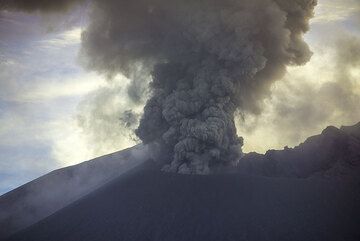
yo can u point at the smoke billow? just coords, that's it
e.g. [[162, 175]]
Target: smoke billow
[[325, 92], [206, 58]]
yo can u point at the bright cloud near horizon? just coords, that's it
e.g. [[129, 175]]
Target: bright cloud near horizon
[[54, 113]]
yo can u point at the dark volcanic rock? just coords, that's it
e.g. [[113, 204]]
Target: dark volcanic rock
[[352, 130], [43, 196], [151, 205], [335, 153], [315, 196]]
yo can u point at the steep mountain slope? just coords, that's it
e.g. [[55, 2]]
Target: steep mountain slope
[[335, 153], [153, 205], [43, 196], [316, 191]]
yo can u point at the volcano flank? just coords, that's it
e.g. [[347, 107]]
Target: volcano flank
[[145, 203]]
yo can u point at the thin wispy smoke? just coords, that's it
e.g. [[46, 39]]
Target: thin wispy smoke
[[108, 119]]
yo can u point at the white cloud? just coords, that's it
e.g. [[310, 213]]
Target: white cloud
[[100, 113], [303, 103], [78, 85], [64, 39], [41, 85], [7, 123], [335, 10], [68, 142]]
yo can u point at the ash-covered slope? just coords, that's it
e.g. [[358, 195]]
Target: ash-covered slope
[[152, 205], [149, 205], [335, 153], [41, 197]]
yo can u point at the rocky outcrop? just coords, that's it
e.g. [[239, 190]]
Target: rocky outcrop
[[335, 153]]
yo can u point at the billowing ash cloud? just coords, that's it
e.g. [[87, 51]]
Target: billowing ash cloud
[[325, 92], [207, 58], [38, 5]]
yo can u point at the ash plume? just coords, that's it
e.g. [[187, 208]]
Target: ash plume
[[206, 58]]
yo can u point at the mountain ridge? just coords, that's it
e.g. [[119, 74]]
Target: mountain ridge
[[334, 154], [49, 193], [148, 204]]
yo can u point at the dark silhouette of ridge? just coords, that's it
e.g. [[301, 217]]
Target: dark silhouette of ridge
[[147, 204], [310, 192], [335, 153], [43, 196]]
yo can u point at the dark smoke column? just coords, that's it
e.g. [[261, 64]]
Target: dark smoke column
[[207, 59], [192, 113]]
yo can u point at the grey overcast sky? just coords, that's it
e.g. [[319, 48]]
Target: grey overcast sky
[[53, 113]]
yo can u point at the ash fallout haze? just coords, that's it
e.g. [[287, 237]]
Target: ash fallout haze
[[206, 59], [214, 77], [189, 87]]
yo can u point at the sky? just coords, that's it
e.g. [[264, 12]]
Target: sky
[[55, 113]]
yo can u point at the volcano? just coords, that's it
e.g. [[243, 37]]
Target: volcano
[[310, 192]]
